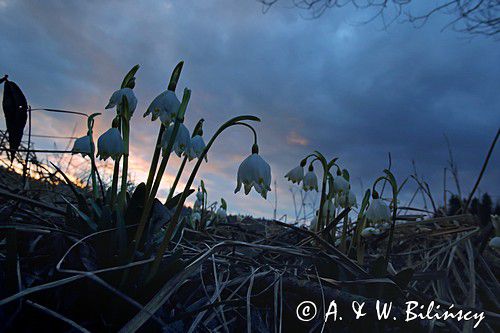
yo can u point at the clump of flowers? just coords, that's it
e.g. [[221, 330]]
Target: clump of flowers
[[173, 136]]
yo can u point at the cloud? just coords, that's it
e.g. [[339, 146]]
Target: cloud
[[352, 92], [294, 138]]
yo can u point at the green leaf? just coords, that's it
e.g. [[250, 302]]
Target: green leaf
[[345, 174], [136, 205], [174, 78], [172, 203], [129, 79], [366, 200], [223, 203], [85, 217], [198, 129]]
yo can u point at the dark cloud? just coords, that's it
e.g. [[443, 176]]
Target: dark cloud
[[349, 91]]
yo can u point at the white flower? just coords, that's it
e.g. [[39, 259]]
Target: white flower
[[369, 232], [110, 144], [329, 209], [254, 172], [165, 105], [182, 142], [378, 211], [295, 175], [195, 218], [199, 195], [314, 223], [84, 146], [340, 184], [495, 243], [197, 147], [116, 100], [221, 213], [346, 199], [197, 205], [385, 226], [310, 181]]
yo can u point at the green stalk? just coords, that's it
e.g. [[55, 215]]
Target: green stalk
[[176, 181], [322, 199], [149, 201], [395, 190], [95, 190], [344, 234], [114, 183], [93, 167], [391, 233], [174, 79], [154, 161], [175, 219], [126, 140]]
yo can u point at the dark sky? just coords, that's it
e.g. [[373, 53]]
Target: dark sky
[[351, 91]]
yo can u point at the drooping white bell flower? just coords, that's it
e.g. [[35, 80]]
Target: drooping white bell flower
[[197, 147], [199, 195], [195, 218], [197, 205], [346, 199], [296, 175], [369, 232], [110, 144], [314, 223], [378, 211], [495, 243], [165, 105], [84, 146], [310, 181], [254, 172], [117, 97], [340, 184], [329, 208], [221, 214], [182, 142]]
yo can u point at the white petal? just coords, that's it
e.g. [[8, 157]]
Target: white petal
[[83, 145], [116, 99]]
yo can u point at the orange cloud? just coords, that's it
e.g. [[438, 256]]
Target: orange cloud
[[295, 138]]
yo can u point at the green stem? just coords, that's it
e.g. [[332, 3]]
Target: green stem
[[174, 79], [114, 183], [176, 181], [344, 234], [93, 168], [154, 161], [151, 196], [391, 233], [126, 134], [175, 219], [322, 159], [322, 200]]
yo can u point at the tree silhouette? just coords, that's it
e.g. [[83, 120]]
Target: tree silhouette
[[485, 209], [454, 205], [471, 16]]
